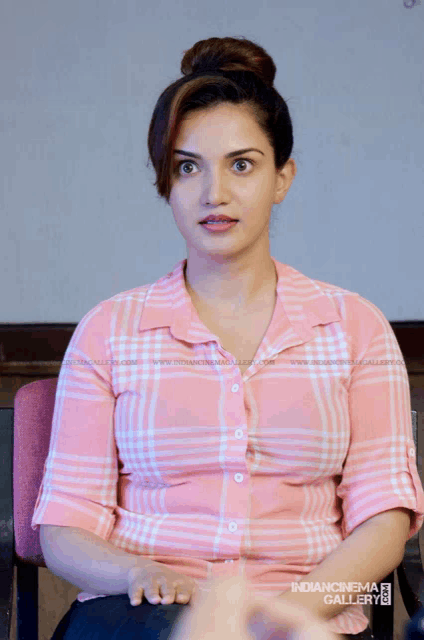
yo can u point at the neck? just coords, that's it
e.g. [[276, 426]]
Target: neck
[[237, 282]]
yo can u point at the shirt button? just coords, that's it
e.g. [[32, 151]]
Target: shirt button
[[238, 433], [235, 388], [238, 477], [232, 526], [411, 451]]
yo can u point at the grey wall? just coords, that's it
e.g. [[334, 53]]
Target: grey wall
[[81, 219]]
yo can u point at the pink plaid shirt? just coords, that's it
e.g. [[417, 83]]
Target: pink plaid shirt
[[160, 446]]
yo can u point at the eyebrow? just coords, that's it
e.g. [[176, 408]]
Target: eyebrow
[[232, 154]]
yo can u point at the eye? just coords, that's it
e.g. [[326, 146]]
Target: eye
[[188, 162], [251, 162]]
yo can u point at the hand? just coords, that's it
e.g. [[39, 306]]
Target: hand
[[228, 609], [159, 585]]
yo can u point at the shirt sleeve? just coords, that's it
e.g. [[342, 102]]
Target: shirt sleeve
[[380, 471], [79, 485]]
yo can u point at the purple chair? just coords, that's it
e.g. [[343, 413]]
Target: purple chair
[[25, 438], [24, 445]]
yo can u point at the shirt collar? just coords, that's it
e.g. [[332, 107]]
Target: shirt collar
[[300, 305]]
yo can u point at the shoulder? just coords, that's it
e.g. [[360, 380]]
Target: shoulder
[[129, 297], [122, 310], [352, 306], [363, 323]]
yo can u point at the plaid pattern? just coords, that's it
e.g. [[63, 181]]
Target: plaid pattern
[[161, 447]]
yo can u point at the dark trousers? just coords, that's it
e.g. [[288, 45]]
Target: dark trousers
[[114, 618]]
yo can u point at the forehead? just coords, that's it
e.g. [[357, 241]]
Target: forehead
[[220, 123]]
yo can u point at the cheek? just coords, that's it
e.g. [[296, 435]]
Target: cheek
[[183, 196], [178, 201], [258, 190]]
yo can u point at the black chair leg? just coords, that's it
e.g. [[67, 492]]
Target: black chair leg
[[6, 602], [27, 602]]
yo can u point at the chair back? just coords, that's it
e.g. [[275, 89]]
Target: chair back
[[33, 417]]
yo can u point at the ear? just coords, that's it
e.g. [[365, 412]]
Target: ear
[[285, 177]]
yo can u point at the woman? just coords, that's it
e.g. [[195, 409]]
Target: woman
[[237, 424]]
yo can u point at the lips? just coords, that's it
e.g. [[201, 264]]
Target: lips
[[217, 219]]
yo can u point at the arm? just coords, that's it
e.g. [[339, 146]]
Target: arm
[[86, 560], [380, 490], [369, 554]]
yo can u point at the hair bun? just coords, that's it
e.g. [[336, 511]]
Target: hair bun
[[229, 54]]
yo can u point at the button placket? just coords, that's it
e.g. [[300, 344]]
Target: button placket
[[238, 477]]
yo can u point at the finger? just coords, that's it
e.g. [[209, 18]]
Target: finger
[[152, 594], [166, 592], [182, 596], [136, 596], [195, 594]]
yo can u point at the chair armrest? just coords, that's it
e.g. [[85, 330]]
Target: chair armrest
[[6, 521]]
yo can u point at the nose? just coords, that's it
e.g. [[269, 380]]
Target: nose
[[215, 190]]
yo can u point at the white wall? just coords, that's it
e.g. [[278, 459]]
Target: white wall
[[81, 219]]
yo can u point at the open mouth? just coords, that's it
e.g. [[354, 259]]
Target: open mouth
[[218, 221], [218, 225]]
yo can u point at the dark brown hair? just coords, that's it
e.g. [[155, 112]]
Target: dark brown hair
[[218, 70]]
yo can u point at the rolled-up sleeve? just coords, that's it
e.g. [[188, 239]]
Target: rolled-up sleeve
[[79, 485], [380, 471]]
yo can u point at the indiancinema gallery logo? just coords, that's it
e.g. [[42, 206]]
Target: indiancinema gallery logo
[[408, 4], [348, 592]]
